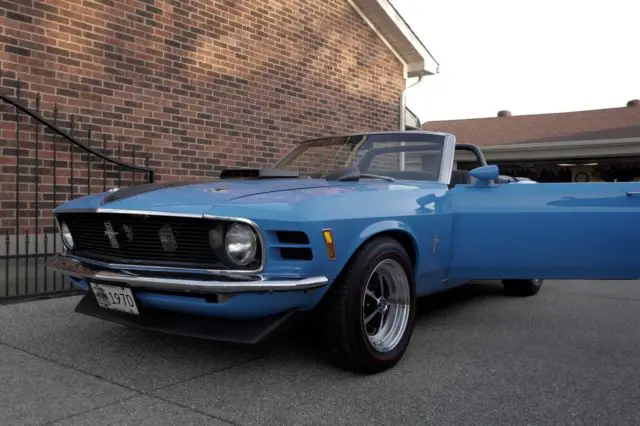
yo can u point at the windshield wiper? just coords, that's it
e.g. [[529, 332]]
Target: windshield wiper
[[353, 174], [370, 176]]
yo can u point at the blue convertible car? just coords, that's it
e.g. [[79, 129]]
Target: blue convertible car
[[346, 231]]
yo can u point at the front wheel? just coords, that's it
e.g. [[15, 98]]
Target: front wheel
[[367, 317], [522, 288]]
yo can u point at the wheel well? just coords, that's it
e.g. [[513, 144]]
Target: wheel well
[[402, 237]]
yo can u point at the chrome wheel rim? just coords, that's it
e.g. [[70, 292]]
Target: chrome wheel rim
[[386, 305]]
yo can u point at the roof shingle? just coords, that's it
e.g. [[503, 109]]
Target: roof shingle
[[612, 123]]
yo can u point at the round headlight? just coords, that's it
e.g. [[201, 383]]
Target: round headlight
[[65, 233], [241, 244]]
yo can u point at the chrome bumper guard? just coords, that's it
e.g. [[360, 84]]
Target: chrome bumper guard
[[77, 269]]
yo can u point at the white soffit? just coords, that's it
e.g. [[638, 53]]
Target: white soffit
[[385, 20]]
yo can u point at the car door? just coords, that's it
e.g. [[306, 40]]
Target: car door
[[546, 230]]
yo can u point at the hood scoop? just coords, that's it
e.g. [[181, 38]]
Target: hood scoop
[[257, 174]]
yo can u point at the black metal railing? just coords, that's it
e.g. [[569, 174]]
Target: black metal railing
[[41, 166]]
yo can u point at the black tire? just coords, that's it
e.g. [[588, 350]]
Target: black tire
[[521, 288], [339, 317]]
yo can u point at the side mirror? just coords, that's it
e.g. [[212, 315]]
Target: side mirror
[[484, 174]]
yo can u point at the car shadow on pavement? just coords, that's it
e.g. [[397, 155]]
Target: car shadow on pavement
[[450, 301], [109, 350], [445, 303]]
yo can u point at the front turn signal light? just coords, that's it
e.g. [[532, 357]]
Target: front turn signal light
[[328, 241]]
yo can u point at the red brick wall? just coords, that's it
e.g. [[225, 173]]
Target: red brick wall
[[199, 84]]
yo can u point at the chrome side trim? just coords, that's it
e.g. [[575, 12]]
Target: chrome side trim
[[76, 269], [246, 221]]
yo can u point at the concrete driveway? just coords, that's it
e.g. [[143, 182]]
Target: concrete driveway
[[569, 355]]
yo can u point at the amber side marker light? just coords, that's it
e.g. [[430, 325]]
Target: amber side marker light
[[328, 240]]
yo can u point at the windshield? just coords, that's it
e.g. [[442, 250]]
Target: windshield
[[403, 155]]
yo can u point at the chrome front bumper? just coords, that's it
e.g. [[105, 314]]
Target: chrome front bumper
[[78, 269]]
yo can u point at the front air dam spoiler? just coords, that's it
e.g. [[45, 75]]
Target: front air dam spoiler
[[247, 331]]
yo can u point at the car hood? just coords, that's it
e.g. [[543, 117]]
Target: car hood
[[193, 197]]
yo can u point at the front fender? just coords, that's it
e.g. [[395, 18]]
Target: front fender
[[384, 226], [378, 228]]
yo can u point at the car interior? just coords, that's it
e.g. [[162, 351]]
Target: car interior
[[459, 177], [421, 158]]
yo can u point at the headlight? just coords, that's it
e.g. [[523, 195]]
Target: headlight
[[67, 239], [241, 244]]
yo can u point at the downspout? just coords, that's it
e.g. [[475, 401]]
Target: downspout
[[403, 117], [403, 104]]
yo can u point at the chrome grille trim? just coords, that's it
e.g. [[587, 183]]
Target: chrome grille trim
[[255, 227]]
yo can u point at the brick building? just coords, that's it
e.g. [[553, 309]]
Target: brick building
[[583, 146], [204, 84], [197, 84], [207, 84]]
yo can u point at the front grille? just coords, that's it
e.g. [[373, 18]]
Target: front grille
[[140, 240]]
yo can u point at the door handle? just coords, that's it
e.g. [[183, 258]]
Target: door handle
[[631, 194]]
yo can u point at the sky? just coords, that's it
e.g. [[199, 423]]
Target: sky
[[529, 57]]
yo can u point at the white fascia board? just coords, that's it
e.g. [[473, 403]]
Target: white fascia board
[[427, 64], [387, 23]]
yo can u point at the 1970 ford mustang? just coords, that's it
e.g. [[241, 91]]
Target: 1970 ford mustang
[[347, 231]]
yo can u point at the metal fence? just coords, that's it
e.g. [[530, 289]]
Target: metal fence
[[45, 162]]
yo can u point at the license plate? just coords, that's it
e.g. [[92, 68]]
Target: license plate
[[115, 298]]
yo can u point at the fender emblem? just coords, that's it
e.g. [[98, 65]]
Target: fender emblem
[[435, 243]]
